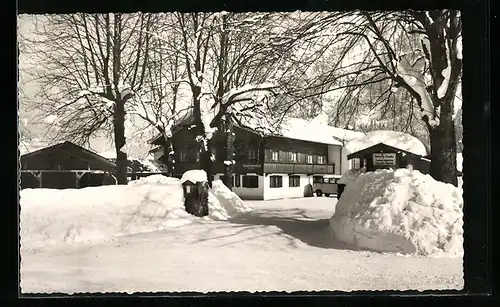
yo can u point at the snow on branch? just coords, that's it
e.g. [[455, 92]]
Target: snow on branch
[[249, 88]]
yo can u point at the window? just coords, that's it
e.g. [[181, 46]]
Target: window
[[355, 163], [197, 156], [183, 156], [321, 159], [293, 156], [252, 154], [275, 155], [309, 159], [250, 181], [294, 181], [275, 181], [237, 180], [317, 179]]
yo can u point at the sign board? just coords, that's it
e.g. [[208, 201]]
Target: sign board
[[251, 165], [384, 159]]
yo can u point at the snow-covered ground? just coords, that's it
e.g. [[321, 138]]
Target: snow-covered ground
[[61, 218], [279, 245]]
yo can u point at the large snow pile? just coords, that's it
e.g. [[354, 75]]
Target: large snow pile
[[228, 200], [396, 139], [400, 211], [349, 176], [51, 217]]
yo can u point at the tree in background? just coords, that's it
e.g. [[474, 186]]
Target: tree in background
[[232, 63], [414, 54], [88, 67]]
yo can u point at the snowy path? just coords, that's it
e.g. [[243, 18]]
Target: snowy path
[[281, 245]]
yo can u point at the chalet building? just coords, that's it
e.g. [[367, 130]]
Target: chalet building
[[266, 167], [64, 166], [383, 156]]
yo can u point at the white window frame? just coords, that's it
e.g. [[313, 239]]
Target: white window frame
[[271, 181], [310, 159], [294, 156], [275, 155]]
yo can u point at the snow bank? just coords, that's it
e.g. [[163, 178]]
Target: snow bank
[[349, 176], [400, 211], [51, 217], [396, 139], [228, 200]]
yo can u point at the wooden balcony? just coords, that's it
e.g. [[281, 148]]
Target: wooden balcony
[[218, 167], [283, 168], [296, 168]]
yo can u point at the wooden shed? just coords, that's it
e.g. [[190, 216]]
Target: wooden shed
[[382, 156], [64, 166]]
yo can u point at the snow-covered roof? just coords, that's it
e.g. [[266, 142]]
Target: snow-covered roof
[[315, 130], [305, 130], [195, 175], [400, 140], [110, 154], [301, 129]]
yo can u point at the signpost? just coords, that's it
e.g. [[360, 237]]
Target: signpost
[[380, 159]]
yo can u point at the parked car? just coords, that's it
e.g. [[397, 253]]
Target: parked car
[[326, 185]]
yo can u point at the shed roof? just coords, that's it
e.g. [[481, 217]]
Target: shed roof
[[76, 151], [375, 148]]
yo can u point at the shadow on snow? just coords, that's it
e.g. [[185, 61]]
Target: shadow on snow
[[294, 224]]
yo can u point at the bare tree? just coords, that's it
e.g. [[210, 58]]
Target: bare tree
[[158, 104], [418, 53], [215, 48], [89, 67]]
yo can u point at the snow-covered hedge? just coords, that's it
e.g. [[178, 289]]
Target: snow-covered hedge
[[52, 217], [400, 211]]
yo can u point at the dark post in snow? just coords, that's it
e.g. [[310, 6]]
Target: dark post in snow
[[196, 197]]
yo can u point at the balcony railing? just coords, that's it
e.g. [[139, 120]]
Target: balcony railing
[[284, 168], [295, 168]]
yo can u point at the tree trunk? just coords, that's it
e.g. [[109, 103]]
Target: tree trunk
[[170, 157], [119, 134], [444, 148], [229, 152], [206, 162]]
